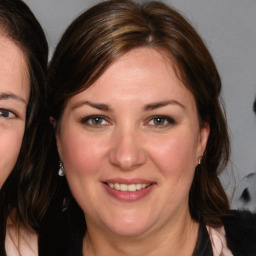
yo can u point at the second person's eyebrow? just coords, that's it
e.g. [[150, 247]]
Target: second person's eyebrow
[[7, 96]]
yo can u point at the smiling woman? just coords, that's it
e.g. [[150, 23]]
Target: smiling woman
[[133, 143], [23, 62], [141, 138]]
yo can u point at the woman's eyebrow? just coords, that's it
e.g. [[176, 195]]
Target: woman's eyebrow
[[7, 96], [160, 104], [99, 106]]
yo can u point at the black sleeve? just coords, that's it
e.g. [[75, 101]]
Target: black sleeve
[[240, 228]]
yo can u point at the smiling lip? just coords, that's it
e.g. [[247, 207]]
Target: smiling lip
[[128, 190]]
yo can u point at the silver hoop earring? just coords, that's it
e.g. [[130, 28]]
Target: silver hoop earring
[[61, 171]]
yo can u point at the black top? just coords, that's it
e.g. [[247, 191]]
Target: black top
[[240, 228], [203, 244], [62, 234]]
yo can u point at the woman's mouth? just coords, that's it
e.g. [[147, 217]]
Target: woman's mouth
[[128, 191], [125, 187]]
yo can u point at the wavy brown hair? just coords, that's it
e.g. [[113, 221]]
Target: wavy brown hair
[[21, 200], [110, 29]]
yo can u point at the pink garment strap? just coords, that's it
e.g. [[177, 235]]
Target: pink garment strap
[[218, 240]]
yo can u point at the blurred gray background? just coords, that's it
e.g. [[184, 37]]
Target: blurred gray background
[[229, 29]]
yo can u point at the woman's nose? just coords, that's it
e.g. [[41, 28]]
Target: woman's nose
[[127, 151]]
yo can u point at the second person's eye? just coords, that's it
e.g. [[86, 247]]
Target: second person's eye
[[5, 113]]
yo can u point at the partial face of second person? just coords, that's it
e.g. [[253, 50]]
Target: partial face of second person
[[130, 144], [14, 95]]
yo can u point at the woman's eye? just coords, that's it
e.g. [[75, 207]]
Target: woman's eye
[[6, 113], [95, 121], [161, 121]]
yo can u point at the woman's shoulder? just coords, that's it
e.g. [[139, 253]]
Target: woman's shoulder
[[20, 242], [240, 221], [240, 229]]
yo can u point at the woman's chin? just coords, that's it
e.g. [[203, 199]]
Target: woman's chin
[[132, 231], [129, 227]]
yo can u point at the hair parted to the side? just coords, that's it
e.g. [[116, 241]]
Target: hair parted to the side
[[21, 200], [110, 29]]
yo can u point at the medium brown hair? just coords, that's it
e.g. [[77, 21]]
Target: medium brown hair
[[110, 29], [21, 200]]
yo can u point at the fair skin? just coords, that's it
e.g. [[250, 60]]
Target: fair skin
[[14, 95], [135, 129]]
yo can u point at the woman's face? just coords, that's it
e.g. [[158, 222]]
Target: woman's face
[[14, 94], [130, 144]]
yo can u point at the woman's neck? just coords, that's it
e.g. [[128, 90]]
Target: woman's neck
[[177, 238], [20, 241]]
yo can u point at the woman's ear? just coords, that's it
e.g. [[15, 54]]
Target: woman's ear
[[54, 124], [53, 121], [58, 145], [203, 138]]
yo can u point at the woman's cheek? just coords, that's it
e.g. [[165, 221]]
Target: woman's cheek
[[82, 153], [11, 141]]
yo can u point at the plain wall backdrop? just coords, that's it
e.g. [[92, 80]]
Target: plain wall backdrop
[[229, 30]]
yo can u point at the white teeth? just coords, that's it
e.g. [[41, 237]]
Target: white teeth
[[138, 186], [125, 187], [132, 187], [117, 186]]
